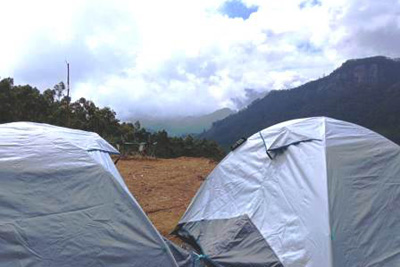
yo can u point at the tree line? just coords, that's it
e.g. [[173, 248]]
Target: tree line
[[26, 103]]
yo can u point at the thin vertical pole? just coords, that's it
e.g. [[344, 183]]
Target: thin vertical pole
[[68, 99], [67, 80]]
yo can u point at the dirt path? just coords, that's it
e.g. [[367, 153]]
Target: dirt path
[[165, 187]]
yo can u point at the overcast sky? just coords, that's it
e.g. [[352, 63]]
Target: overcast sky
[[185, 57]]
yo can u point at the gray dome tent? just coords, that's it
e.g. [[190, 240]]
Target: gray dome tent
[[310, 192], [63, 203]]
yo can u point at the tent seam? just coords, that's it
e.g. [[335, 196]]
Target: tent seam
[[133, 201], [327, 191]]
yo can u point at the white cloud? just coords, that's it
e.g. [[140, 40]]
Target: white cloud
[[184, 57]]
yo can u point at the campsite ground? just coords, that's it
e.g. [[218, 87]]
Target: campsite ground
[[165, 187]]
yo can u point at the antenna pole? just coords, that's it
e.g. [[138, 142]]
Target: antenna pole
[[67, 79], [68, 98]]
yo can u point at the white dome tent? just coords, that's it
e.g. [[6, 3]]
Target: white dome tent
[[309, 192], [63, 203]]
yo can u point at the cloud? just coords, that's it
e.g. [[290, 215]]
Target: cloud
[[184, 57], [250, 96], [236, 9], [310, 3], [371, 28]]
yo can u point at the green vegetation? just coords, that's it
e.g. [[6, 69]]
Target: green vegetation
[[25, 103]]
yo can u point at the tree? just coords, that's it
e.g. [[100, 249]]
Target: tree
[[59, 90]]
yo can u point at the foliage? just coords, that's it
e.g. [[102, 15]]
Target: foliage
[[25, 103]]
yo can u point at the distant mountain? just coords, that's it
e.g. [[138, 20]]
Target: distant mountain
[[363, 91], [179, 126]]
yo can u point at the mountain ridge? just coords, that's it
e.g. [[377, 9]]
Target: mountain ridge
[[363, 91]]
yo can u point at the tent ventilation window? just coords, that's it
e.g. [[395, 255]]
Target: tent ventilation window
[[273, 151]]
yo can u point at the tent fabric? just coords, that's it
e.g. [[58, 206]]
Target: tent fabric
[[224, 239], [364, 201], [183, 257], [63, 203], [18, 133], [105, 160], [327, 197]]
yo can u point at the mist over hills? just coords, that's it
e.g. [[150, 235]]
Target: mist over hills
[[178, 126], [183, 125], [250, 96], [363, 91]]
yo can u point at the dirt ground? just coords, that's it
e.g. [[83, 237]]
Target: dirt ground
[[165, 187]]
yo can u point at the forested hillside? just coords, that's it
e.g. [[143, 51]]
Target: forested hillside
[[26, 103], [364, 91]]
